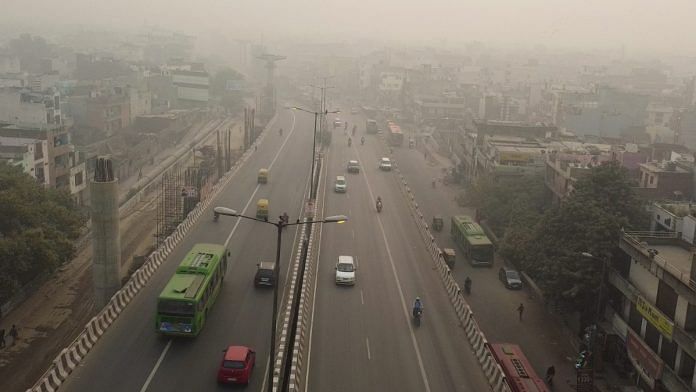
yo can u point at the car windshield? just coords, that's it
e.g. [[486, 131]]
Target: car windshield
[[344, 267], [176, 308], [233, 364], [265, 273], [340, 182], [512, 275]]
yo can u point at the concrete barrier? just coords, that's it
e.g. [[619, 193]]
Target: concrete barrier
[[72, 355]]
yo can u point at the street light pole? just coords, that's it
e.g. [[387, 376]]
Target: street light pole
[[594, 332], [276, 270]]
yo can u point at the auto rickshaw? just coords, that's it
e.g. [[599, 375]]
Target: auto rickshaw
[[450, 257], [263, 176], [262, 209], [438, 222]]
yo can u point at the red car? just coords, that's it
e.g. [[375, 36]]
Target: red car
[[236, 365]]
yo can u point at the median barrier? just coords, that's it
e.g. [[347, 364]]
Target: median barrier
[[68, 359]]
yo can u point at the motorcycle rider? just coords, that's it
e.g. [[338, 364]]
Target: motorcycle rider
[[362, 140], [350, 141], [379, 203], [345, 126], [285, 218], [467, 285], [417, 307]]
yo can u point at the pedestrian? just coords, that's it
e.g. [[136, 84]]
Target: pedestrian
[[550, 372], [2, 338], [14, 334], [520, 310]]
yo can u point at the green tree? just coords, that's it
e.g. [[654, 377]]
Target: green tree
[[37, 229], [218, 85]]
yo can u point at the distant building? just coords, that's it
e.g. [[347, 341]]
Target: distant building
[[666, 180], [24, 106], [46, 153]]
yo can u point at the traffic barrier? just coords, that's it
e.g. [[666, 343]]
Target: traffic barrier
[[71, 356]]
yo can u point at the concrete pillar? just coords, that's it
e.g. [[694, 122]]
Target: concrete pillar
[[106, 237]]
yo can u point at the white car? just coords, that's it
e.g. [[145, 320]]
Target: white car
[[385, 164], [345, 270], [340, 186]]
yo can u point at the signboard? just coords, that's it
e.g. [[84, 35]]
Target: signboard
[[655, 317], [233, 85], [513, 156], [648, 364], [585, 379]]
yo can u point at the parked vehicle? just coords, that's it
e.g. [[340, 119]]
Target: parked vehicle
[[510, 278]]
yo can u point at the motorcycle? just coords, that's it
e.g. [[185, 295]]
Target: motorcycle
[[417, 314], [467, 286], [362, 141], [216, 216], [350, 142], [379, 206]]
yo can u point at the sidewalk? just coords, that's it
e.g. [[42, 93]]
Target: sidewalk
[[50, 318], [544, 340]]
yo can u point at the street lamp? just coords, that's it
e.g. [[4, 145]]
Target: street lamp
[[313, 192], [279, 226]]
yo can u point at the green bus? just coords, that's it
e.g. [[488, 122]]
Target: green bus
[[183, 305], [478, 249]]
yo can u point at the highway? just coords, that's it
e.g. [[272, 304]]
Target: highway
[[131, 356], [363, 337]]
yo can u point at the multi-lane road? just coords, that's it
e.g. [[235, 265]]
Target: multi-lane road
[[362, 337]]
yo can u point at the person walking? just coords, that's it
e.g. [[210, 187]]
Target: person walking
[[14, 334], [2, 338], [550, 372], [520, 310]]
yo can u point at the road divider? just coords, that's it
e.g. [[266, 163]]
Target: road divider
[[494, 374], [70, 357]]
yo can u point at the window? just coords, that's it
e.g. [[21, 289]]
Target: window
[[78, 179], [651, 180], [669, 352], [686, 367]]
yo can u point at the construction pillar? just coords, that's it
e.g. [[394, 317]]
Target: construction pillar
[[106, 237]]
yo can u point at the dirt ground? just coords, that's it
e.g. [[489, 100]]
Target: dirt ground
[[53, 316]]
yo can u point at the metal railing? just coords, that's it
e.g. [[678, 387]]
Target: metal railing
[[634, 238]]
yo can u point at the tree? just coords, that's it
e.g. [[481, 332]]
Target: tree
[[218, 85], [37, 229]]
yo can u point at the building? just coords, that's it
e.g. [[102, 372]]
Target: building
[[102, 112], [430, 109], [501, 157], [665, 180], [651, 317], [19, 105], [47, 154]]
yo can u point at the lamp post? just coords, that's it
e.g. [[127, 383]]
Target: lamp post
[[313, 192], [279, 228]]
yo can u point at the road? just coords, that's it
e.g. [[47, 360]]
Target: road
[[494, 306], [132, 357], [362, 337]]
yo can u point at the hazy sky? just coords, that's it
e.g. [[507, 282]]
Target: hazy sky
[[638, 24]]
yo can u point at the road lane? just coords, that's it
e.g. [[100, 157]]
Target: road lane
[[128, 352], [394, 268]]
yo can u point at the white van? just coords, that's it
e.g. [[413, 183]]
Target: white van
[[341, 185]]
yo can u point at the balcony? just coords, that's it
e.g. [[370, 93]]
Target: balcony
[[63, 149]]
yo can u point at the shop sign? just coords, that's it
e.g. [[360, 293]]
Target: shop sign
[[655, 317], [648, 364]]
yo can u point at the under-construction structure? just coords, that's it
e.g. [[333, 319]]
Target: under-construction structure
[[106, 237], [268, 93], [170, 205]]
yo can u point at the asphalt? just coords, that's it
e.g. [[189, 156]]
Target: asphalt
[[543, 341], [363, 337], [131, 356]]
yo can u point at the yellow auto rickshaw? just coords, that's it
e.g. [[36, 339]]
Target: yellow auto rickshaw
[[263, 176], [450, 257], [262, 209]]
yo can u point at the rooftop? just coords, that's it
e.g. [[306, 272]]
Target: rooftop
[[663, 167]]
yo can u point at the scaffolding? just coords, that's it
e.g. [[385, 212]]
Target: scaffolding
[[170, 211]]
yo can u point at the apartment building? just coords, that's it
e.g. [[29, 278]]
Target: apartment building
[[47, 154], [21, 105], [651, 317]]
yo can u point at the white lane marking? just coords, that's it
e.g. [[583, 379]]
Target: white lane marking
[[316, 280], [367, 344], [407, 313], [362, 298], [227, 241], [157, 365]]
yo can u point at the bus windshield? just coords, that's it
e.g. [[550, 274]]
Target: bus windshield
[[482, 253], [176, 308]]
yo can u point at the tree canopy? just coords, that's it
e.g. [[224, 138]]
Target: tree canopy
[[549, 244], [37, 231]]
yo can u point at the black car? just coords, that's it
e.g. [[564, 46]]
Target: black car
[[265, 274], [510, 278]]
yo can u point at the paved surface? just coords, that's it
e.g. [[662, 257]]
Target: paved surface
[[132, 357], [52, 316], [494, 306], [362, 337]]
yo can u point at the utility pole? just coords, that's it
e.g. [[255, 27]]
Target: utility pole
[[322, 108]]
